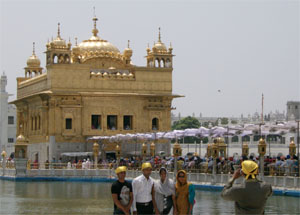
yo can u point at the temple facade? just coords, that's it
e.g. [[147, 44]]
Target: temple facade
[[91, 89]]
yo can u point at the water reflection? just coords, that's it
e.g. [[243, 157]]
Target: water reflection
[[95, 198]]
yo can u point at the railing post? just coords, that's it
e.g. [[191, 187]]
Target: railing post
[[222, 177], [295, 182], [284, 180], [3, 165]]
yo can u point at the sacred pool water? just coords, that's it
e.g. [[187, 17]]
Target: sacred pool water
[[95, 198]]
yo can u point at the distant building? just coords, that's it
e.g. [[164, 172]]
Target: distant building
[[293, 110], [8, 120]]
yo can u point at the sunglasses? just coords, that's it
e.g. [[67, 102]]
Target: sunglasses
[[181, 176]]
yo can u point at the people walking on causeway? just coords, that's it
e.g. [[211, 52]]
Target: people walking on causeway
[[165, 193], [121, 191], [185, 194], [143, 193], [251, 196]]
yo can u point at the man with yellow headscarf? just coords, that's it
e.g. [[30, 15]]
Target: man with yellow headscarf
[[121, 191], [143, 193], [251, 196]]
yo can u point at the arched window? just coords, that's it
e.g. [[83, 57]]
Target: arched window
[[151, 63], [39, 122], [61, 59], [246, 138], [168, 63], [55, 59], [27, 74], [157, 62], [235, 139], [32, 121], [35, 123], [67, 59], [155, 124], [162, 63]]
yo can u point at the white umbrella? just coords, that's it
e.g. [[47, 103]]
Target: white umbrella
[[191, 132]]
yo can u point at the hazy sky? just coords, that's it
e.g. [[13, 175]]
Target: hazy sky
[[242, 48]]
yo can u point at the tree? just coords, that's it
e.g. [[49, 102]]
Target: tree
[[187, 122], [233, 122], [224, 121]]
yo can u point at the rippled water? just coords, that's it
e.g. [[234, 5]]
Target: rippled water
[[95, 198]]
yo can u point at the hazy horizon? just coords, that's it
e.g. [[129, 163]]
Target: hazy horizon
[[227, 52]]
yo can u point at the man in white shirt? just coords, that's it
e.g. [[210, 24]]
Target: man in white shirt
[[143, 192]]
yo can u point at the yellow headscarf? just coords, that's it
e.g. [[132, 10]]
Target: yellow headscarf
[[120, 169], [249, 168], [146, 165], [178, 184]]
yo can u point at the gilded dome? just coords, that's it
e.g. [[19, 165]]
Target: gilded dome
[[21, 138], [58, 41], [159, 46], [95, 46], [33, 60], [128, 51]]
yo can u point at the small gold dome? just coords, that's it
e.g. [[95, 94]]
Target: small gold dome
[[128, 51], [159, 46], [33, 60], [21, 138], [58, 42]]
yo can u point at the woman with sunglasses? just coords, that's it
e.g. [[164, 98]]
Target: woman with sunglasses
[[185, 194]]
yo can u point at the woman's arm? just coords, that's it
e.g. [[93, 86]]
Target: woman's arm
[[191, 198], [174, 204], [153, 201]]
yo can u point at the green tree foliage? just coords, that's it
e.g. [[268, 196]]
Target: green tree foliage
[[187, 122], [233, 122], [224, 121]]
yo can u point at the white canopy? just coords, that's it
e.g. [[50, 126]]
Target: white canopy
[[217, 131]]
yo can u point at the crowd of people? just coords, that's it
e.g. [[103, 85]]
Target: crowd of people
[[145, 196], [280, 165]]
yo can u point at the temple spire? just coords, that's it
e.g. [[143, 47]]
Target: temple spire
[[33, 48], [159, 37], [58, 30], [95, 19]]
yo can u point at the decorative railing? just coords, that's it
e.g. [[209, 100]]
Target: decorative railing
[[203, 167]]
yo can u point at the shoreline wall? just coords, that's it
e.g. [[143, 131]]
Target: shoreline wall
[[203, 181]]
